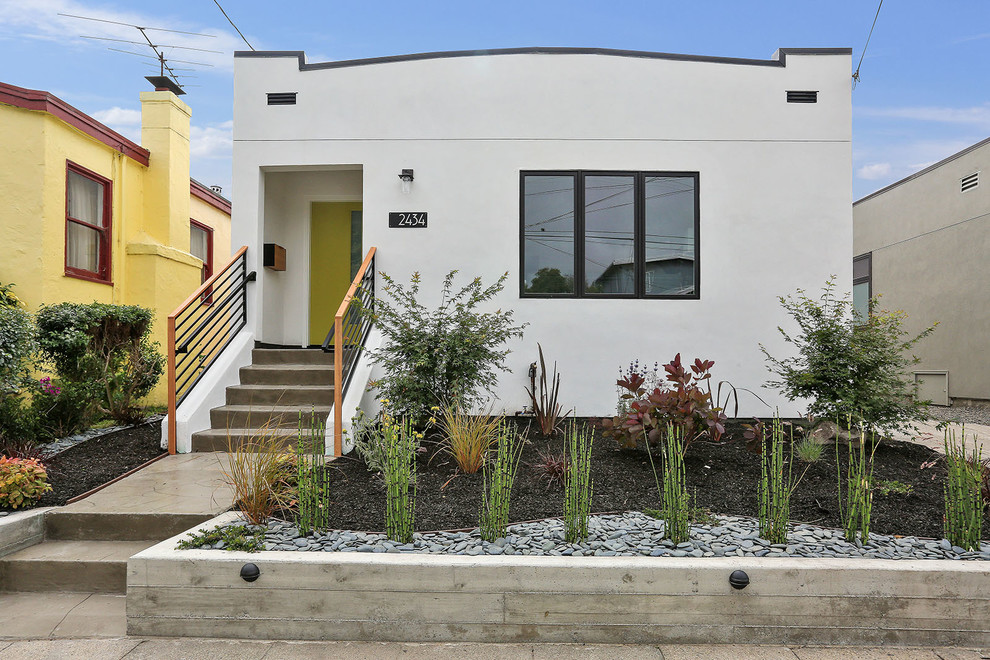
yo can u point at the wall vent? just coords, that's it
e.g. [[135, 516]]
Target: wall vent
[[969, 182], [281, 98], [802, 96]]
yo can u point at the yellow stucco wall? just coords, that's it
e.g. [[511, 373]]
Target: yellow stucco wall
[[151, 207]]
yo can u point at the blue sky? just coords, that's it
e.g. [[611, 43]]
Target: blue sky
[[925, 90]]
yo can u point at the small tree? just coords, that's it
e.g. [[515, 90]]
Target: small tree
[[450, 353], [850, 367]]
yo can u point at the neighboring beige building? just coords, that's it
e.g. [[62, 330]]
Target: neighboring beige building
[[923, 243]]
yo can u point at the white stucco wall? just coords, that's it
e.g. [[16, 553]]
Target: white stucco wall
[[775, 193]]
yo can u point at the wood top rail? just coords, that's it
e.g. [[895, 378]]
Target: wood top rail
[[338, 355], [196, 295]]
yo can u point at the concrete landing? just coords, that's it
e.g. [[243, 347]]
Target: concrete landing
[[180, 484]]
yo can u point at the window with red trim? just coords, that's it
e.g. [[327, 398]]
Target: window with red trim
[[87, 224], [201, 246]]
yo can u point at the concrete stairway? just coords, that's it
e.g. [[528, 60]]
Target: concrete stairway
[[274, 391], [87, 552]]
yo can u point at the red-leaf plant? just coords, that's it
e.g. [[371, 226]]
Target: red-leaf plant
[[686, 403]]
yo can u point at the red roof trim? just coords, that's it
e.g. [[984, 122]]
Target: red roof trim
[[32, 99], [204, 193]]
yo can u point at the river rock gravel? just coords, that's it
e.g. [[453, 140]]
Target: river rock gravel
[[630, 534]]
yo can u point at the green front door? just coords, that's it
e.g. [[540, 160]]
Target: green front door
[[335, 254]]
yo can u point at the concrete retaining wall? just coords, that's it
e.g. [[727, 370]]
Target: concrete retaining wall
[[352, 596], [22, 529]]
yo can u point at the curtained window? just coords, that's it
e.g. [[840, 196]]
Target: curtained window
[[87, 224]]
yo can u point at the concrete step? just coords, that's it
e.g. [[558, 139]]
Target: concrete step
[[84, 566], [291, 356], [227, 439], [262, 396], [243, 417], [286, 374], [62, 525]]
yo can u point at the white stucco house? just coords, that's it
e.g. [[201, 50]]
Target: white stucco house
[[644, 204]]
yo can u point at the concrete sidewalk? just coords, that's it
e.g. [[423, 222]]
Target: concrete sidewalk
[[181, 649], [928, 434]]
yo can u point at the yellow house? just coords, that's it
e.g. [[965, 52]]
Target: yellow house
[[89, 215]]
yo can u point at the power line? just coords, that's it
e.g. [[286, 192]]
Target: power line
[[232, 24], [863, 54]]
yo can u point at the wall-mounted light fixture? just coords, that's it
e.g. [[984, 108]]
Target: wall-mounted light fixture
[[407, 178]]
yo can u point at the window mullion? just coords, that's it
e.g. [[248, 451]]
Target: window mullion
[[639, 235], [579, 234]]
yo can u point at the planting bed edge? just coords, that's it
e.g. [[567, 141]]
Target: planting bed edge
[[416, 597]]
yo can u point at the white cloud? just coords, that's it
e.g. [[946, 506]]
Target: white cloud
[[978, 116], [115, 117], [874, 171], [213, 141], [39, 19]]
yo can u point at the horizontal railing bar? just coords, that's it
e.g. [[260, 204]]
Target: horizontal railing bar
[[216, 355], [206, 321], [207, 339], [208, 283], [219, 292]]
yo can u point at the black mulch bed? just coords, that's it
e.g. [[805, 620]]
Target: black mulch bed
[[722, 478], [98, 460]]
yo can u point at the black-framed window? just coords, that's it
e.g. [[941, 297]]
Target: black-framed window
[[862, 284], [609, 234]]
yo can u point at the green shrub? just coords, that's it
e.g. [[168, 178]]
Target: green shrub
[[22, 482], [450, 352], [848, 366], [8, 298], [17, 343], [106, 345], [60, 407]]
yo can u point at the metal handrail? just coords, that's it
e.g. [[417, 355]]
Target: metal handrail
[[209, 320], [349, 332]]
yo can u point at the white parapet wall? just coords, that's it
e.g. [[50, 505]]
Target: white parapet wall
[[405, 597], [211, 392]]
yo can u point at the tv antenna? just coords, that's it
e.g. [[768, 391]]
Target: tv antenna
[[167, 79]]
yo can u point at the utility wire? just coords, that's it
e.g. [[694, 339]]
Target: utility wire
[[232, 24], [863, 54]]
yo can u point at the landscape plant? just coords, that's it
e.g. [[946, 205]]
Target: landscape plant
[[777, 484], [312, 494], [675, 504], [499, 477], [428, 354], [17, 344], [22, 482], [808, 450], [551, 467], [963, 492], [546, 406], [857, 505], [105, 346], [685, 400], [578, 486], [260, 472], [8, 298], [400, 442], [467, 438], [848, 366], [60, 407], [235, 538]]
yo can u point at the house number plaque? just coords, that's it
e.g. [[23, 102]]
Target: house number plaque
[[412, 219]]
